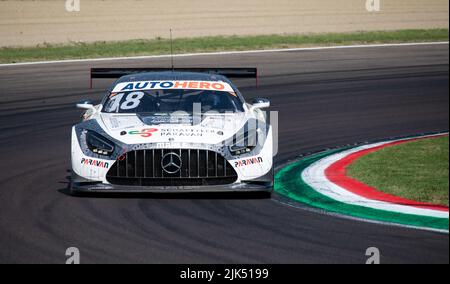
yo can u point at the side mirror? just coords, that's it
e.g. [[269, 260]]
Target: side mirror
[[86, 105], [258, 103]]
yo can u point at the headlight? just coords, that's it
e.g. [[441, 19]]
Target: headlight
[[99, 144], [239, 150], [244, 143]]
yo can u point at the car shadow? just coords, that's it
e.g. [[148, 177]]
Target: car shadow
[[171, 195], [165, 195]]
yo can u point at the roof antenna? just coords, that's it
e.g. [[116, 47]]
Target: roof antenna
[[171, 51]]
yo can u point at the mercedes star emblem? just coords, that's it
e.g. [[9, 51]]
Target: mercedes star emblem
[[171, 163]]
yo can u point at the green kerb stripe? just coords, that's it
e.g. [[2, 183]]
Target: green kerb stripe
[[288, 182]]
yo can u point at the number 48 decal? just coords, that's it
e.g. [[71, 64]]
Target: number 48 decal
[[131, 101]]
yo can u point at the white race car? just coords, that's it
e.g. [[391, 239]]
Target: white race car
[[175, 130]]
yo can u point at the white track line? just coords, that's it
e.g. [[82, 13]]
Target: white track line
[[225, 53]]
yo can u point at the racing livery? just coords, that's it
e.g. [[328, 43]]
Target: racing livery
[[161, 130]]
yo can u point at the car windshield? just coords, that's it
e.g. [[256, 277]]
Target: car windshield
[[171, 100]]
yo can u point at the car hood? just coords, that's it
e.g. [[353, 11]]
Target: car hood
[[136, 129]]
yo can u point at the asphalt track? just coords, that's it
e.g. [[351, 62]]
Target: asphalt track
[[324, 98]]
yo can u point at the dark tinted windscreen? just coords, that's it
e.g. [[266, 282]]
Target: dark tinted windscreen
[[165, 101]]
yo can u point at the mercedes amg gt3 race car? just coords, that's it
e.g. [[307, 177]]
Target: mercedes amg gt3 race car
[[174, 130]]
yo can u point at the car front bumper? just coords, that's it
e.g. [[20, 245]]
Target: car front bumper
[[80, 184]]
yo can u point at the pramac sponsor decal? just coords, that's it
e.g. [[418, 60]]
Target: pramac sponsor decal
[[96, 163], [248, 162], [161, 85]]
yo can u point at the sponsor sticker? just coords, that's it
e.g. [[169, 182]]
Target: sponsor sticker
[[163, 85], [248, 162], [93, 162], [186, 132], [146, 132]]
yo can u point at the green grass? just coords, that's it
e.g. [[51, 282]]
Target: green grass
[[209, 44], [416, 170]]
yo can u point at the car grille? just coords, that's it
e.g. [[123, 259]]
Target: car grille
[[198, 167]]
